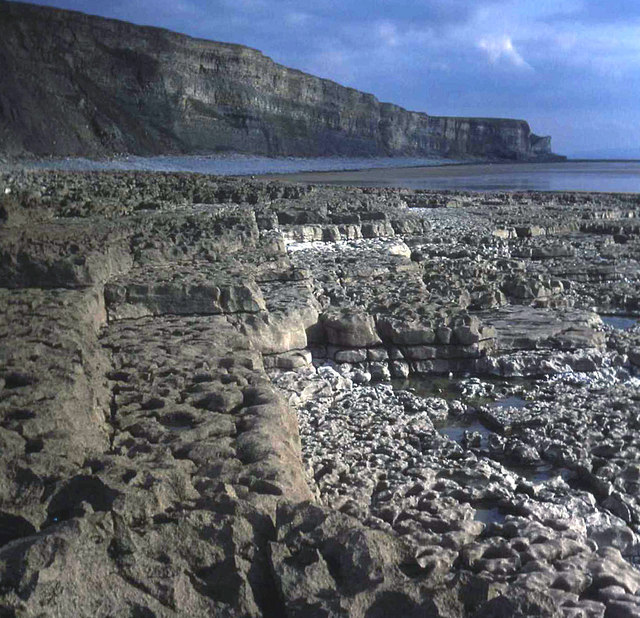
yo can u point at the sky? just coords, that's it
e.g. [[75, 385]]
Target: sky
[[571, 68]]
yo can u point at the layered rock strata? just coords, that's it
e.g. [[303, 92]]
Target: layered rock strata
[[197, 417], [73, 84]]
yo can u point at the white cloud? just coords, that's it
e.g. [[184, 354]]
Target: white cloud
[[297, 18], [388, 33], [501, 49]]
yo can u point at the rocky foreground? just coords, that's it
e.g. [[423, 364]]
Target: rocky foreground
[[233, 398]]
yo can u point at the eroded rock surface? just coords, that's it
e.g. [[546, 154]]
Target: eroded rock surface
[[243, 398]]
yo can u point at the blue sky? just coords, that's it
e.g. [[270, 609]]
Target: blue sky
[[569, 67]]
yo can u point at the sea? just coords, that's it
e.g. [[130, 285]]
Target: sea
[[412, 173]]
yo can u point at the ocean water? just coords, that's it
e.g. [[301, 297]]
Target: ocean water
[[619, 322], [606, 176]]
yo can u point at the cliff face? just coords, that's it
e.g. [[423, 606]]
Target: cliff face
[[503, 138], [73, 84]]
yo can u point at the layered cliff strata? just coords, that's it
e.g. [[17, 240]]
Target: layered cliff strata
[[73, 84]]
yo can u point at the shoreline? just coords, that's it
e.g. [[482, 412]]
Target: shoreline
[[119, 162], [584, 175], [485, 177], [101, 163]]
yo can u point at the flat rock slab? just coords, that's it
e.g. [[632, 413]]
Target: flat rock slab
[[528, 328], [195, 386], [182, 289], [54, 396]]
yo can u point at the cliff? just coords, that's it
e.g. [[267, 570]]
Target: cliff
[[74, 84]]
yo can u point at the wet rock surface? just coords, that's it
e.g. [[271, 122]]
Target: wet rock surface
[[241, 398]]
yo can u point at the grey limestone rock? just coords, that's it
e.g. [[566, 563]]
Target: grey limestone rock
[[238, 99], [164, 454], [350, 328]]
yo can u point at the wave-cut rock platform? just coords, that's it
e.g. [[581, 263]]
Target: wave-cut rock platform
[[249, 398]]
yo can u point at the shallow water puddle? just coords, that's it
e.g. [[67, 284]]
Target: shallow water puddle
[[455, 429], [539, 473], [446, 388], [450, 388], [509, 402], [619, 322], [487, 515], [475, 392]]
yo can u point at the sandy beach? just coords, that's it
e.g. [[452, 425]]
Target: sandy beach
[[616, 176]]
